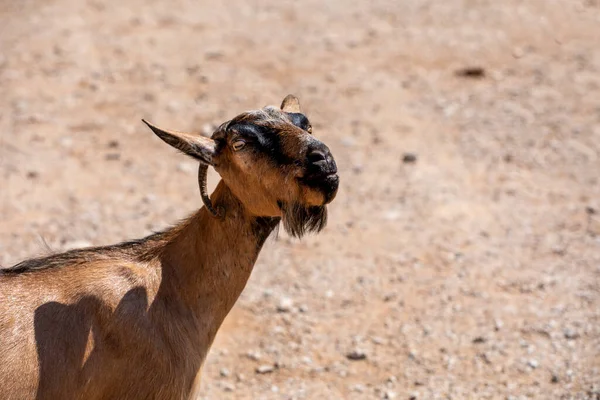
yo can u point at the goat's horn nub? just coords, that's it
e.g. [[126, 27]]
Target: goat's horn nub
[[202, 171]]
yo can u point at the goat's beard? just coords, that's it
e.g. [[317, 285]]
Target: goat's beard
[[298, 219]]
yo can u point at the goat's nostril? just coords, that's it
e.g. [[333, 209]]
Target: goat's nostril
[[316, 156]]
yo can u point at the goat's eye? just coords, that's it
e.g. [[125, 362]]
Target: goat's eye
[[238, 145], [309, 129]]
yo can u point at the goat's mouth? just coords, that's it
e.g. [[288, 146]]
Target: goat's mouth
[[327, 184], [299, 219]]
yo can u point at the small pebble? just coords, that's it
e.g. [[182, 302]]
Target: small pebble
[[357, 169], [518, 52], [356, 355], [285, 305], [149, 198], [224, 372], [213, 55], [471, 72], [570, 333], [389, 297], [228, 387], [498, 324], [32, 175], [409, 158], [390, 395], [359, 388], [112, 156], [265, 369], [377, 340], [278, 329], [533, 363], [254, 355]]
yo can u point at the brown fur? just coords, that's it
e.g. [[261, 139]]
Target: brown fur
[[136, 320]]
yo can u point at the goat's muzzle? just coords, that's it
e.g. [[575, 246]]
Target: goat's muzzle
[[321, 171], [326, 184]]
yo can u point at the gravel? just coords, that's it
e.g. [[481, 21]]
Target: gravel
[[468, 205]]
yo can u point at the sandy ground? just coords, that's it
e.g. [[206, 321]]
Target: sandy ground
[[472, 272]]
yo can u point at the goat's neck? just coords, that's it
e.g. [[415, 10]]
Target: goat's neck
[[209, 260]]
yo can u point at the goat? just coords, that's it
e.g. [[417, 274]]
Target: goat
[[136, 320]]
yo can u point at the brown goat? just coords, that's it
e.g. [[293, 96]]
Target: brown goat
[[136, 320]]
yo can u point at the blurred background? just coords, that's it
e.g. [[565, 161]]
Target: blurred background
[[462, 256]]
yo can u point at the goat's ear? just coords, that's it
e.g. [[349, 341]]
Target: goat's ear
[[199, 147], [290, 104]]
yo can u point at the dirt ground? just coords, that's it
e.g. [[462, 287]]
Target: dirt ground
[[462, 256]]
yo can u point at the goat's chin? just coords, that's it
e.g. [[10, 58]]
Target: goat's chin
[[299, 219]]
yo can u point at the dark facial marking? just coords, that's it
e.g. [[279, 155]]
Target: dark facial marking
[[263, 139], [299, 120]]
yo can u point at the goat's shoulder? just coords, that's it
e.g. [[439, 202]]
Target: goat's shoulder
[[84, 276]]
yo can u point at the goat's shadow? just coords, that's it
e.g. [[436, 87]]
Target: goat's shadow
[[64, 333]]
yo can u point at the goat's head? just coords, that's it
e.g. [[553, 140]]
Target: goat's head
[[270, 161]]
